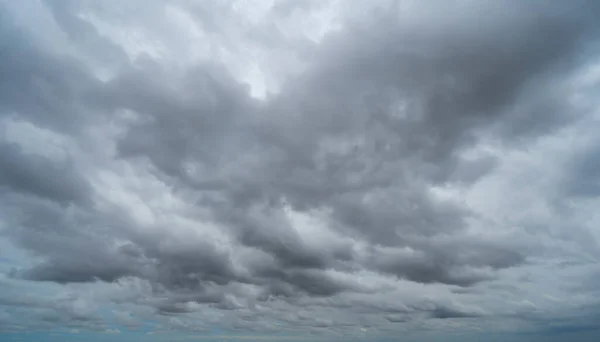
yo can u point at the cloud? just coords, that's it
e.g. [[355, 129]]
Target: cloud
[[20, 172], [316, 167]]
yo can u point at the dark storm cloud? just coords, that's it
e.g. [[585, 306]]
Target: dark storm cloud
[[66, 271], [197, 119], [100, 258], [461, 263], [187, 118], [313, 283], [74, 253], [361, 140], [396, 319], [37, 175], [463, 72], [205, 120], [446, 313]]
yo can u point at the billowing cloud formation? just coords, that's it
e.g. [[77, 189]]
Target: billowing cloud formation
[[345, 167]]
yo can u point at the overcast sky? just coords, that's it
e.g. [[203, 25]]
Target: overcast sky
[[302, 170]]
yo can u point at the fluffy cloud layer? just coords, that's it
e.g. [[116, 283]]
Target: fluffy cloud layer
[[295, 167]]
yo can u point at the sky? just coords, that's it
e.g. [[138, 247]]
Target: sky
[[299, 170]]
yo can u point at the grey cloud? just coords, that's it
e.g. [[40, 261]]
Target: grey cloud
[[396, 319], [445, 313], [41, 176], [57, 233], [84, 34], [183, 128], [68, 271], [488, 85], [582, 176], [189, 122], [361, 141], [314, 283], [40, 86]]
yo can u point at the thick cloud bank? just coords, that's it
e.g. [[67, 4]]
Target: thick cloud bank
[[365, 168]]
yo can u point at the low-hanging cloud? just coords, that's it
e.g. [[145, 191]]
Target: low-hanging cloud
[[406, 163]]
